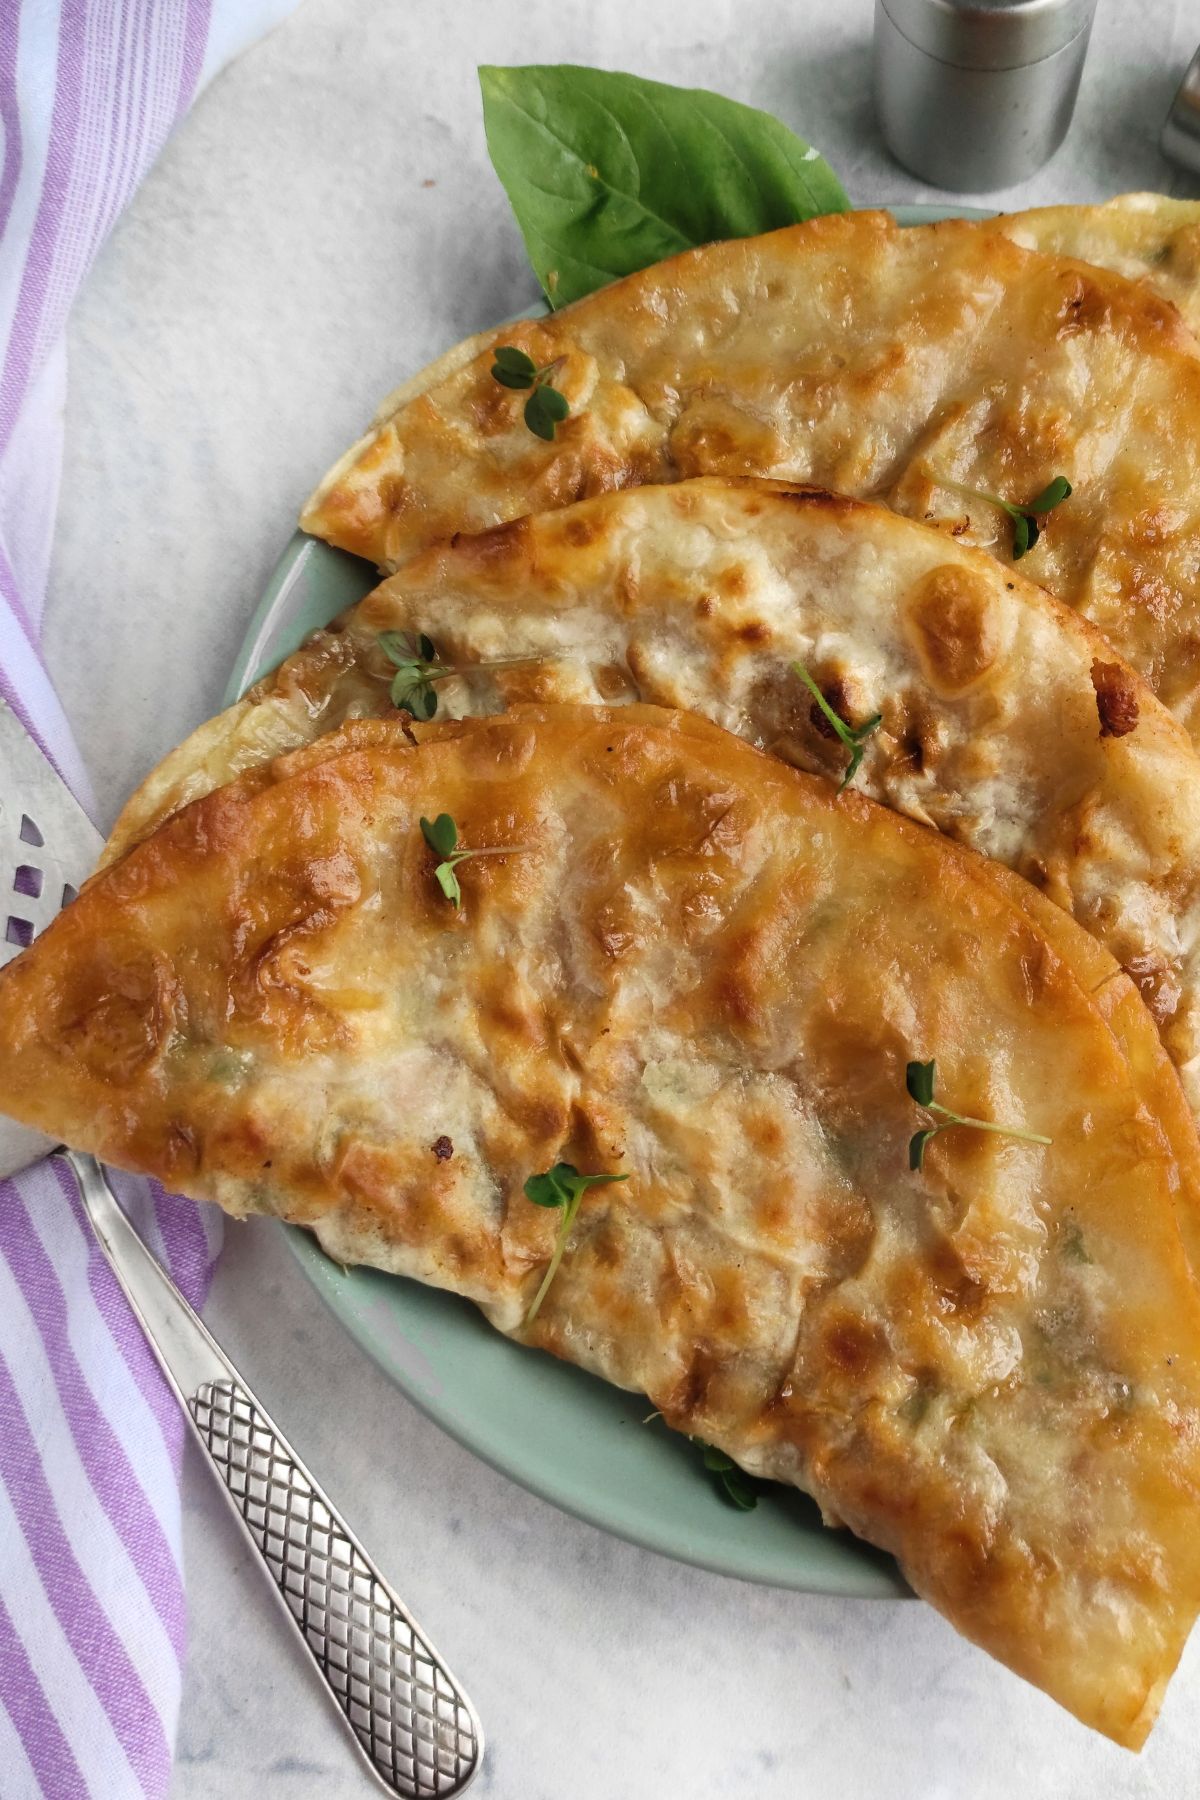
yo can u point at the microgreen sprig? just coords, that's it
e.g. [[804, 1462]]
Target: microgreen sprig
[[441, 834], [732, 1483], [919, 1080], [418, 667], [853, 736], [545, 408], [1026, 520], [565, 1187]]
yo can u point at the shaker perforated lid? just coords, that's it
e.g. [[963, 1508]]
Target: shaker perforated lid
[[990, 34]]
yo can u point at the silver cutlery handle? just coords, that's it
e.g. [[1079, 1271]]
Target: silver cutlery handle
[[410, 1718], [406, 1710]]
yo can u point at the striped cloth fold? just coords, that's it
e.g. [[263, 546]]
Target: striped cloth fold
[[92, 1613]]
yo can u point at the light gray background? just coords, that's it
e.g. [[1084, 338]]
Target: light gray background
[[324, 222]]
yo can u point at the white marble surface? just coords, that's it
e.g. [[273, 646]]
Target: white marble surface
[[324, 221]]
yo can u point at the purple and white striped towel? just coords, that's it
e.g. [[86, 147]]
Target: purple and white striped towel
[[92, 1617]]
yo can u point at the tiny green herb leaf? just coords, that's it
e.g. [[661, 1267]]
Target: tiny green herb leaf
[[511, 378], [447, 880], [853, 736], [418, 669], [1026, 520], [916, 1147], [919, 1080], [442, 837], [733, 1484], [563, 1186], [716, 1460], [551, 1189], [515, 362], [537, 418], [545, 408], [1051, 496], [552, 403]]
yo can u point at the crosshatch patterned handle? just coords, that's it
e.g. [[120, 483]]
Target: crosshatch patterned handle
[[413, 1722]]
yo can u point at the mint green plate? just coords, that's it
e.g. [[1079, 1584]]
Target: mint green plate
[[572, 1439]]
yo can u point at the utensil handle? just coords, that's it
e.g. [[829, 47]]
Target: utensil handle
[[409, 1717]]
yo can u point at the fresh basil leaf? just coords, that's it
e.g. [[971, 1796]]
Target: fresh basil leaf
[[423, 701], [516, 362], [608, 173], [919, 1078], [512, 378], [1025, 534], [441, 834], [1053, 495]]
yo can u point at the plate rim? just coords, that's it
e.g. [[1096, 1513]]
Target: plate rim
[[878, 1579]]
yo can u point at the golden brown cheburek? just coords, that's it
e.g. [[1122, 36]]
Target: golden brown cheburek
[[1146, 237], [1007, 722], [909, 365], [703, 970]]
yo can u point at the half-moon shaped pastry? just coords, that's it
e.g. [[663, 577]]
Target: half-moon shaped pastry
[[926, 366], [1006, 721], [684, 964], [1147, 237]]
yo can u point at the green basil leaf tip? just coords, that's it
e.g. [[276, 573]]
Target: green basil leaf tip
[[510, 378], [608, 173]]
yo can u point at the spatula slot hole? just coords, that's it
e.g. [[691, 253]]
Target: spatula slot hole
[[19, 932], [30, 833], [69, 893], [28, 881]]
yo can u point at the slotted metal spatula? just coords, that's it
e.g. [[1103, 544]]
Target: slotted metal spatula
[[411, 1722]]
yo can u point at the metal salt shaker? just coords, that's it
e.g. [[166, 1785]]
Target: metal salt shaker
[[976, 94]]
